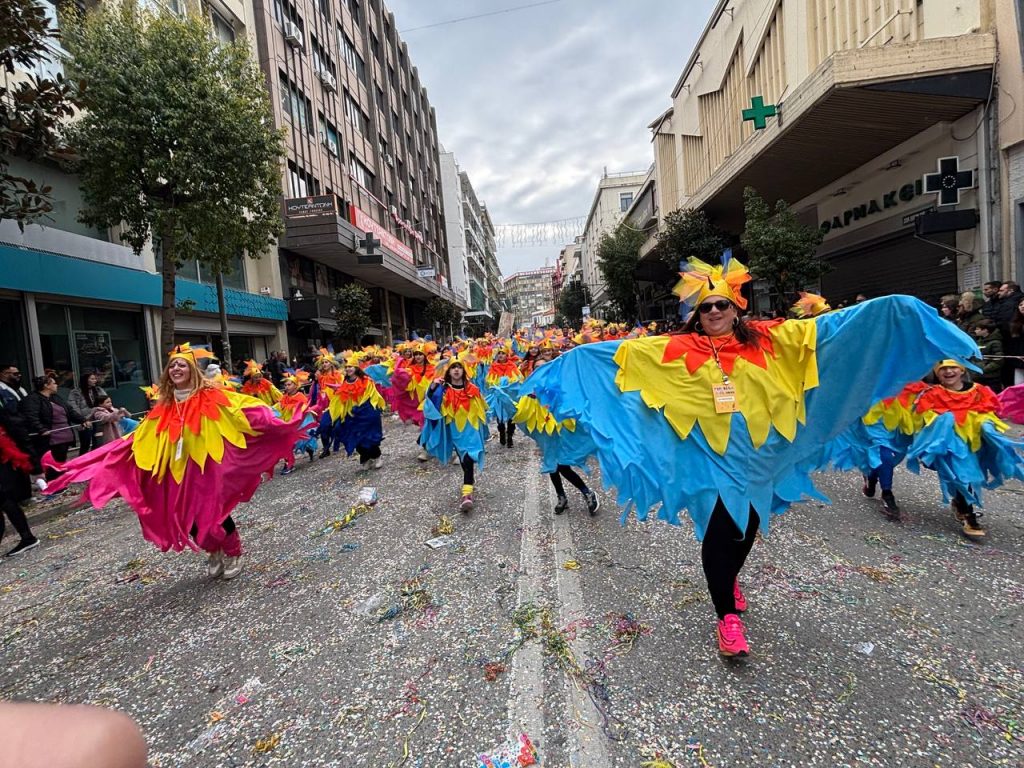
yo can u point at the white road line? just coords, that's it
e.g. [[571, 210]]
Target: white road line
[[526, 694], [588, 745]]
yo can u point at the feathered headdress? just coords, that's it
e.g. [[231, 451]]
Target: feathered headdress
[[252, 368], [326, 354], [188, 352], [298, 378], [152, 392], [702, 280], [810, 305]]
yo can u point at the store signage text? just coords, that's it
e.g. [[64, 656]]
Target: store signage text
[[904, 194], [305, 207], [364, 223]]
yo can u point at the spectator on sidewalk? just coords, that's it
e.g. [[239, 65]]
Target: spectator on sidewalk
[[990, 291], [990, 342], [107, 421], [275, 367], [11, 392], [1013, 347], [49, 421], [969, 314], [1010, 296], [949, 308], [85, 398], [15, 488]]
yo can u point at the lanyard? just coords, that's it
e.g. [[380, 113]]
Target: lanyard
[[718, 362]]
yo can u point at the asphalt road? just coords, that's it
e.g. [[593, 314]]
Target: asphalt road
[[873, 643]]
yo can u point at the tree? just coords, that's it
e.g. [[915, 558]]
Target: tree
[[689, 233], [780, 249], [571, 301], [617, 257], [31, 107], [352, 310], [443, 313], [177, 140]]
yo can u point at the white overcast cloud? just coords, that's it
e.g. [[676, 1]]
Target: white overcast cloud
[[536, 103]]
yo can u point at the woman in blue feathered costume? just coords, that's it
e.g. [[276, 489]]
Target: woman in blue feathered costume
[[501, 390], [728, 419]]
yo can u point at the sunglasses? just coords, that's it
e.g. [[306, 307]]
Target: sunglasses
[[721, 305]]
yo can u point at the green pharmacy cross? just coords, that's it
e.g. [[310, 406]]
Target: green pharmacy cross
[[759, 112]]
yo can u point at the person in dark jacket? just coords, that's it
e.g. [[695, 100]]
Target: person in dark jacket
[[49, 420], [1010, 296], [1013, 347], [990, 342], [990, 291], [85, 398], [15, 467]]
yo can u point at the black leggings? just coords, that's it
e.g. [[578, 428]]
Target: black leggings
[[569, 474], [368, 453], [16, 515], [508, 427], [228, 524], [60, 455], [467, 470], [723, 553]]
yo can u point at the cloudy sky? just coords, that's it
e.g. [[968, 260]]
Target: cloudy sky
[[537, 101]]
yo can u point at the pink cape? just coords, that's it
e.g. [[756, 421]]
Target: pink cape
[[168, 510], [1011, 403], [406, 404]]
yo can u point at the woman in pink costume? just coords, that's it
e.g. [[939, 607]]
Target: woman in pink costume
[[199, 452]]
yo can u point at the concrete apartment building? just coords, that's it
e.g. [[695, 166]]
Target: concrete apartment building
[[362, 157], [886, 134], [495, 293], [531, 296], [73, 298], [614, 196], [471, 244]]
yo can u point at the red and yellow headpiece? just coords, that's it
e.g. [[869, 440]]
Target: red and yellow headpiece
[[187, 352], [298, 378], [702, 280], [810, 305], [252, 368]]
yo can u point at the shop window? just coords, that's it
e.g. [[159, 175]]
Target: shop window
[[14, 341], [111, 342]]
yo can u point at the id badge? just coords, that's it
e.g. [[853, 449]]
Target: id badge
[[725, 398]]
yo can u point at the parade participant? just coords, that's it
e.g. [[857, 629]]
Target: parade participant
[[199, 453], [15, 469], [294, 403], [456, 420], [324, 391], [411, 381], [530, 360], [962, 439], [502, 392], [358, 409], [256, 385], [746, 407]]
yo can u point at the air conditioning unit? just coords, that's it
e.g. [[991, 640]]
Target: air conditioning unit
[[293, 34], [330, 84], [332, 148], [389, 159], [394, 210]]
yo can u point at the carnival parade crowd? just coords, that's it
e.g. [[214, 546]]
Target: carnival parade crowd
[[724, 420]]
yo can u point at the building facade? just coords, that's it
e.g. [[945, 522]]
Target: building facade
[[362, 159], [1010, 77], [614, 196], [495, 294], [74, 299], [876, 122], [531, 296]]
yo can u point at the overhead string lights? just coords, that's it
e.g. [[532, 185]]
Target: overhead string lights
[[539, 233]]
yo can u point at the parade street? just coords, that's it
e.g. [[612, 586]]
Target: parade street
[[873, 643]]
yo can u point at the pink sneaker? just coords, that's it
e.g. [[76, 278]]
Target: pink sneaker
[[467, 503], [738, 598], [731, 639]]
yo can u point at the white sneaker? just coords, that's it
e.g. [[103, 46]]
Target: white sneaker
[[378, 462], [365, 465], [423, 455], [215, 564], [232, 567], [41, 484]]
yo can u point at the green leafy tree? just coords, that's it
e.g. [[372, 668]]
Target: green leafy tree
[[352, 304], [32, 107], [571, 301], [177, 140], [689, 233], [781, 250], [618, 254], [443, 313]]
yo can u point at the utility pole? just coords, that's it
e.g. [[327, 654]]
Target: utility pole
[[225, 340]]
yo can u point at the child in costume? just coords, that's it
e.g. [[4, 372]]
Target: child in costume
[[257, 386], [359, 406], [293, 403], [501, 385], [456, 420], [411, 381], [199, 453], [744, 408], [322, 396]]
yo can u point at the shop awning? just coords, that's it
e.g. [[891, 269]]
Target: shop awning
[[856, 106]]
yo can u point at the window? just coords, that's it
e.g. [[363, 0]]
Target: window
[[355, 115], [300, 182], [329, 136], [222, 28], [352, 57], [625, 200], [285, 11], [380, 99], [321, 58], [360, 173], [296, 105], [325, 9], [356, 11], [375, 46], [49, 64]]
